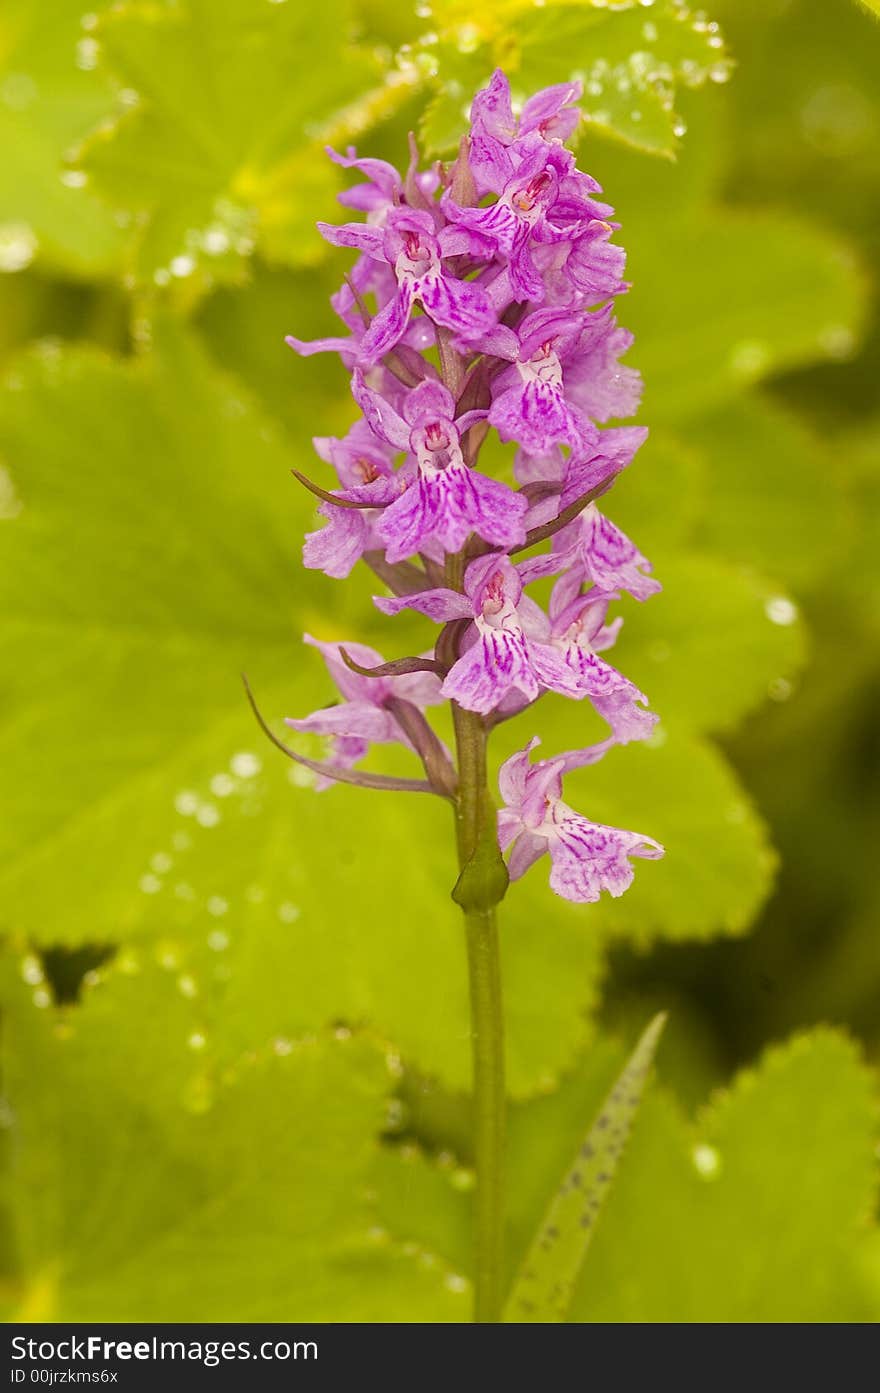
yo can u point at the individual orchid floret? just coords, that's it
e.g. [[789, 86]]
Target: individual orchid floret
[[523, 215], [366, 716], [412, 246], [382, 187], [446, 500], [594, 469], [587, 857], [604, 556], [580, 633], [564, 375], [529, 403], [365, 467], [584, 271], [494, 128], [509, 648]]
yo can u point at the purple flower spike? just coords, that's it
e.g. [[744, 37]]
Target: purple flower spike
[[362, 718], [481, 304], [586, 857]]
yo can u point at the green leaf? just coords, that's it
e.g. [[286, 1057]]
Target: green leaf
[[146, 801], [543, 1289], [142, 1185], [726, 294], [778, 497], [758, 1214], [746, 483], [219, 149], [723, 300], [711, 646], [631, 63], [50, 96]]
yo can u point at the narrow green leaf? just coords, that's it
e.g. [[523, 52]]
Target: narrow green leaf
[[543, 1288]]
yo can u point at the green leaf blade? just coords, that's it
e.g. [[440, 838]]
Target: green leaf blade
[[543, 1289]]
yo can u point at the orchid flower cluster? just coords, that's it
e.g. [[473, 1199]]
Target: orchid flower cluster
[[482, 299]]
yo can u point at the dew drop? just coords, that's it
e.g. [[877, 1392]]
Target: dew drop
[[749, 357], [217, 906], [187, 985], [218, 940], [215, 241], [18, 246], [74, 178], [161, 862], [197, 1040], [453, 1280], [780, 610], [186, 802], [182, 266], [394, 1115], [31, 970], [87, 51], [779, 689], [41, 998], [17, 91], [10, 503], [282, 1046], [837, 341], [182, 891], [707, 1161], [288, 913], [300, 777], [245, 765], [149, 884], [208, 815], [467, 40]]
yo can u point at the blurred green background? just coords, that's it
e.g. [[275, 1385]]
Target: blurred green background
[[234, 1012]]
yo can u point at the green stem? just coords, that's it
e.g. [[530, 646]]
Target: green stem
[[481, 884]]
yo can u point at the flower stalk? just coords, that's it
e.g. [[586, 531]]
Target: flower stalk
[[481, 885]]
